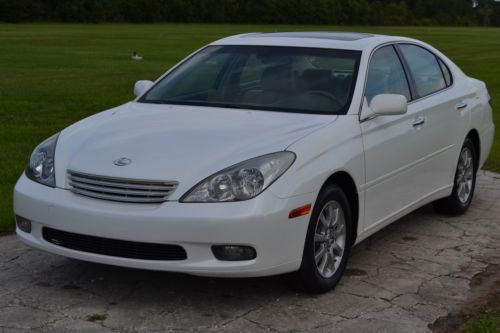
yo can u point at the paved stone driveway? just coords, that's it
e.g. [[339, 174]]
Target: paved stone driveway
[[399, 280]]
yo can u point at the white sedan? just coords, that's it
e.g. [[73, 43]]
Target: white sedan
[[261, 154]]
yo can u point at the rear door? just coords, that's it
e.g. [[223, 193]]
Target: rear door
[[445, 114]]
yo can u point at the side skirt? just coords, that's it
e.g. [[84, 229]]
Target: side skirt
[[437, 194]]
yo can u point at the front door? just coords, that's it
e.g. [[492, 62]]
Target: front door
[[394, 149]]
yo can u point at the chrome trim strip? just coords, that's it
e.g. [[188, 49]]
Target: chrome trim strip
[[125, 192], [119, 189], [123, 180], [123, 185], [116, 198]]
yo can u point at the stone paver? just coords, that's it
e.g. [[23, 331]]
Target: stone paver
[[400, 280]]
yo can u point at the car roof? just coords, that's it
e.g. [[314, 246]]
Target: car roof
[[322, 39], [343, 36]]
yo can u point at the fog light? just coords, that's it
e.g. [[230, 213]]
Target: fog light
[[234, 252], [23, 224]]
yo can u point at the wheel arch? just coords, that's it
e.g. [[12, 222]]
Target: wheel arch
[[347, 184], [474, 136]]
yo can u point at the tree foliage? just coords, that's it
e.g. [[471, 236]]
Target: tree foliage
[[375, 12]]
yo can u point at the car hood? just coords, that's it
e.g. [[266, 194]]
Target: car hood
[[176, 143]]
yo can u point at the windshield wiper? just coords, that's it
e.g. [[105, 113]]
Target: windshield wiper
[[156, 101], [237, 106], [227, 105], [196, 103]]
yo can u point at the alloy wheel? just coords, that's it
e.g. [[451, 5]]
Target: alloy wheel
[[329, 239], [465, 173]]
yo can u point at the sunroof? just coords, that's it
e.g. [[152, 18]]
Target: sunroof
[[343, 36]]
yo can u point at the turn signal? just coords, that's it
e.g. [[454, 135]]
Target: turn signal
[[301, 211]]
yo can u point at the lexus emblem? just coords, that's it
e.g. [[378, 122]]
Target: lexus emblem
[[122, 161]]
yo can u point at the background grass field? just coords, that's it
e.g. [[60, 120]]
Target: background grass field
[[52, 75]]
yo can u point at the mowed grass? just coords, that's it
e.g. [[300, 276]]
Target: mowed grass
[[52, 75]]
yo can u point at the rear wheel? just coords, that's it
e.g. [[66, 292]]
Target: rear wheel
[[465, 182], [328, 243]]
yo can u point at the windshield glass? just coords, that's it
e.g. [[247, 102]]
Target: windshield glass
[[292, 79]]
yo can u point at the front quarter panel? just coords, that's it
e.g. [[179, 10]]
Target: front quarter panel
[[336, 147]]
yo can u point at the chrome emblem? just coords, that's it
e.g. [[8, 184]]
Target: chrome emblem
[[122, 161]]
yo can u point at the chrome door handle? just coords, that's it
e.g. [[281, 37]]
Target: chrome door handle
[[461, 106], [418, 121]]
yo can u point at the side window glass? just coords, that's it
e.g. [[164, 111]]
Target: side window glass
[[424, 68], [386, 75], [446, 73]]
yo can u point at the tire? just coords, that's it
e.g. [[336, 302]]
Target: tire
[[332, 242], [464, 183]]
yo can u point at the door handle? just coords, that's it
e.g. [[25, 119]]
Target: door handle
[[418, 121], [461, 106]]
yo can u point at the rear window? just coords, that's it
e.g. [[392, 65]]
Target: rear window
[[446, 73], [425, 69]]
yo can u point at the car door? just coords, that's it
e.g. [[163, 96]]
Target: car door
[[394, 145], [446, 113]]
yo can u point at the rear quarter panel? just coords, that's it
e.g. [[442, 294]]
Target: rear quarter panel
[[482, 117]]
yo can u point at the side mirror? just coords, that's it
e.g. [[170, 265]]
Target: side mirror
[[141, 86], [389, 105]]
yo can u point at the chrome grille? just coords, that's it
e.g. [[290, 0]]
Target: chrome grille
[[120, 189]]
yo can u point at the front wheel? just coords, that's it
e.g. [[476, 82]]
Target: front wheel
[[328, 243], [464, 184]]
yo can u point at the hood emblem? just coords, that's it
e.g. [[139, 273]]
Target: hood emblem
[[122, 161]]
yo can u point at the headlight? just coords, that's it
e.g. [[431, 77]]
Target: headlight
[[242, 181], [41, 166]]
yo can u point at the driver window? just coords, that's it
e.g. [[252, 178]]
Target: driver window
[[386, 75]]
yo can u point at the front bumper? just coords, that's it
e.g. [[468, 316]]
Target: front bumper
[[261, 223]]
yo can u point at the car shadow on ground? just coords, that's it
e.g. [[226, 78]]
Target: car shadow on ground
[[117, 284]]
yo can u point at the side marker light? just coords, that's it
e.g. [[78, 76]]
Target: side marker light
[[301, 211]]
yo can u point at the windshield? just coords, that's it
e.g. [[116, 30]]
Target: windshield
[[292, 79]]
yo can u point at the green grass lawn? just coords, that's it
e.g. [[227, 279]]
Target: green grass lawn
[[52, 75]]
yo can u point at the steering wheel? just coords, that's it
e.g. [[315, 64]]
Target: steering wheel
[[327, 95]]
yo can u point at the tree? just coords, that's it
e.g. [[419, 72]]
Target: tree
[[378, 12]]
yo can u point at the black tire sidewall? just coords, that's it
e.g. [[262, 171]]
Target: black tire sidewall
[[308, 270], [463, 206]]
